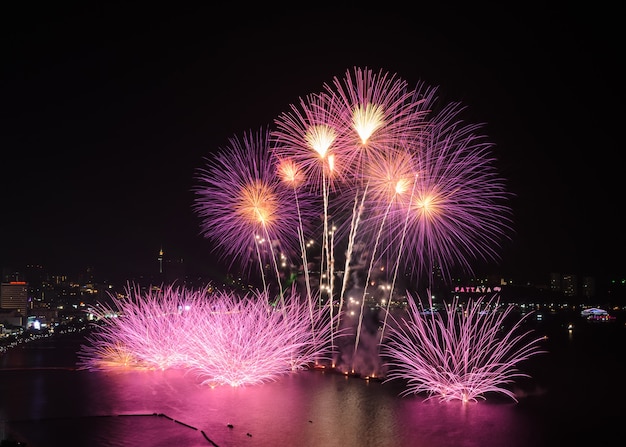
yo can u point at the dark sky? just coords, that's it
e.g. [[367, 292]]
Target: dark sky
[[107, 112]]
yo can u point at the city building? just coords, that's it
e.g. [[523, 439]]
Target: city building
[[570, 285], [14, 297]]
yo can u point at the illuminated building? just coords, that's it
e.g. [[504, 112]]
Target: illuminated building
[[14, 295]]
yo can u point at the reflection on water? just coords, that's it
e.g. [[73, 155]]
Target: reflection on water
[[312, 407], [45, 402]]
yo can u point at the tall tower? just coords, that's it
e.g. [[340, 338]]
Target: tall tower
[[160, 258]]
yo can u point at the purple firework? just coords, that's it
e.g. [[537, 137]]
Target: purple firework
[[412, 178], [459, 211], [145, 329], [404, 183], [461, 355], [245, 208], [219, 337], [245, 340], [308, 135], [377, 113]]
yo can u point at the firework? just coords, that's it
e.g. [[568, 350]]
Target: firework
[[405, 183], [402, 185], [244, 207], [221, 338], [353, 123], [307, 135], [459, 353], [376, 113], [292, 175], [459, 209], [246, 341], [143, 330]]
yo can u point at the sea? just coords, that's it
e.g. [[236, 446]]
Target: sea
[[573, 396]]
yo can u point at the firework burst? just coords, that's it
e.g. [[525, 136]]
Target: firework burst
[[245, 208], [405, 184], [459, 211], [376, 112], [307, 135]]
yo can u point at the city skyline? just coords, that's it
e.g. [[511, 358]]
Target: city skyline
[[166, 271], [104, 130]]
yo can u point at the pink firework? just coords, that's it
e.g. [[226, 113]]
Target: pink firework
[[409, 180], [377, 113], [391, 178], [245, 340], [307, 135], [334, 134], [245, 208], [220, 338], [458, 211], [402, 184], [461, 355], [145, 329]]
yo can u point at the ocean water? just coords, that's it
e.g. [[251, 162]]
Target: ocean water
[[570, 398]]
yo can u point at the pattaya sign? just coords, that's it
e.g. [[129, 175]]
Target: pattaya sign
[[477, 289]]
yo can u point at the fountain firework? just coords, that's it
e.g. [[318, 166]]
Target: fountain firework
[[222, 338], [144, 330], [460, 352]]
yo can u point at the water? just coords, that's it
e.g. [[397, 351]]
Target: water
[[569, 399]]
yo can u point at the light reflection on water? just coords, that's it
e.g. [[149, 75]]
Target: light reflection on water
[[47, 403], [314, 408]]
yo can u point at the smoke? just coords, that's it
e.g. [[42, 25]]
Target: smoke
[[363, 359]]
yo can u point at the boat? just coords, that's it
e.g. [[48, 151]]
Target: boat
[[593, 311], [596, 314]]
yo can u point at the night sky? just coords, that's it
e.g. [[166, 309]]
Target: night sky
[[108, 112]]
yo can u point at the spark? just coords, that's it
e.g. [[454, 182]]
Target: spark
[[366, 120], [320, 138]]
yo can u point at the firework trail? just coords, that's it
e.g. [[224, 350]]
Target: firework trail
[[306, 135], [460, 355], [372, 108], [392, 178], [290, 174], [396, 269], [354, 225], [381, 116], [389, 177]]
